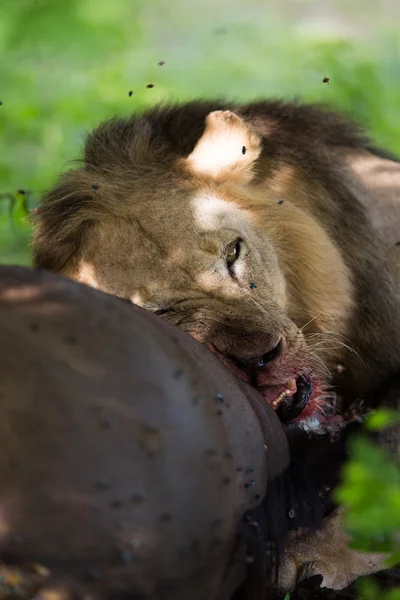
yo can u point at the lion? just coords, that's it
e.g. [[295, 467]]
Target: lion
[[266, 231]]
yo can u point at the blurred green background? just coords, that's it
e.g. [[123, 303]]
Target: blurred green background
[[65, 66]]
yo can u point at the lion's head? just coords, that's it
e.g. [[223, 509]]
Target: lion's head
[[215, 241]]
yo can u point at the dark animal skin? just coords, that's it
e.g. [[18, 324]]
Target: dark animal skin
[[129, 455], [134, 464], [323, 460]]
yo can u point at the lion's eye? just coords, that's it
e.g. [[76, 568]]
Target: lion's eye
[[232, 253]]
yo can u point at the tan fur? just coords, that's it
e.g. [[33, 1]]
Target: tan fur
[[327, 553], [303, 246], [381, 198], [227, 150]]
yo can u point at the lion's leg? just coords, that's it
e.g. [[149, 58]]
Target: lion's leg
[[327, 553]]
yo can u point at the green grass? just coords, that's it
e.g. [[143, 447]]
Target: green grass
[[65, 66]]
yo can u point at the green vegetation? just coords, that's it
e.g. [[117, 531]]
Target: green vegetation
[[67, 65], [371, 492]]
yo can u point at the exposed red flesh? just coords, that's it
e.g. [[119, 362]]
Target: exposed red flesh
[[316, 406]]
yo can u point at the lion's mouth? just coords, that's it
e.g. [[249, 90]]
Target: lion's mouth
[[297, 400], [300, 398]]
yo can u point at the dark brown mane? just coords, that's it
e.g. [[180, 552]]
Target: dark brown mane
[[174, 130], [122, 154]]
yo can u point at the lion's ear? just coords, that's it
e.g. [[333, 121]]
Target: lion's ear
[[227, 150]]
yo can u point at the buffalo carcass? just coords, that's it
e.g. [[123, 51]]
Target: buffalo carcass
[[132, 460]]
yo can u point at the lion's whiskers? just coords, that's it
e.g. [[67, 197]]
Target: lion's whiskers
[[310, 321], [318, 364], [331, 337]]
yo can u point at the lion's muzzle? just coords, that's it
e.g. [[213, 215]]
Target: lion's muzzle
[[248, 351]]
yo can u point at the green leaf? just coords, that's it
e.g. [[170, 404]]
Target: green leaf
[[382, 418]]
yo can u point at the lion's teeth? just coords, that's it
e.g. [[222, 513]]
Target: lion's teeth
[[279, 398], [291, 384]]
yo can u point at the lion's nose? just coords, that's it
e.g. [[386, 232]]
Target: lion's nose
[[254, 351], [258, 362], [270, 355]]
